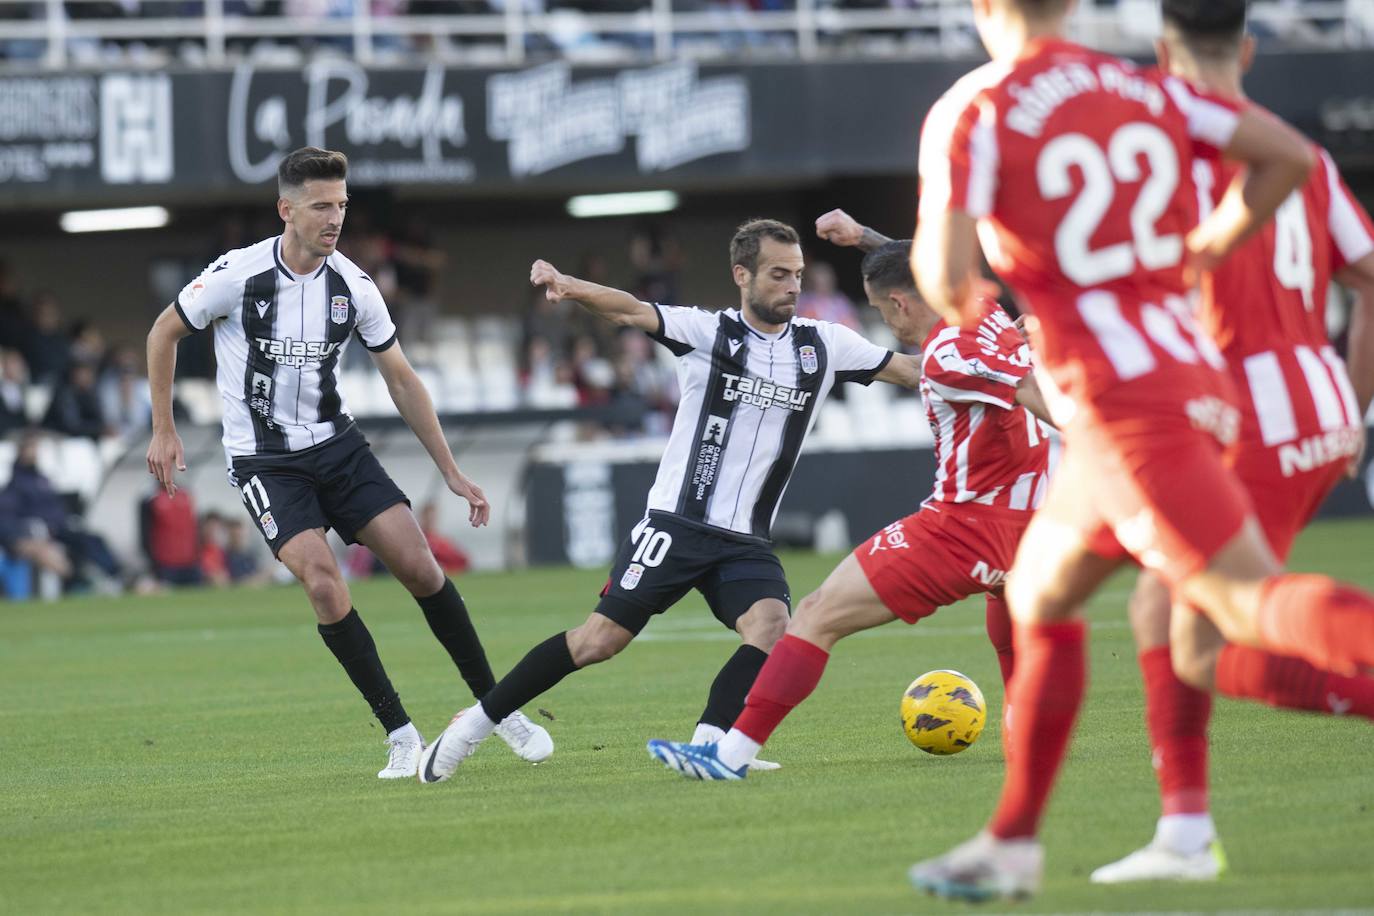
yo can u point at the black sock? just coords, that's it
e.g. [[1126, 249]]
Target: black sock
[[542, 667], [731, 686], [448, 618], [352, 645]]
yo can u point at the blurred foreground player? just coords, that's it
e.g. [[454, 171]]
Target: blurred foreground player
[[1074, 169], [1301, 428], [753, 380], [982, 402], [283, 311]]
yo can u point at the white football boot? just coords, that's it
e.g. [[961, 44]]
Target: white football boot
[[984, 868], [712, 734], [1158, 862], [403, 760], [529, 741], [454, 745]]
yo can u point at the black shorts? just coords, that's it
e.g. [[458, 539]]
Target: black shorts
[[665, 557], [337, 484]]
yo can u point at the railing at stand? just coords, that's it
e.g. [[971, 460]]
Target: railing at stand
[[810, 29]]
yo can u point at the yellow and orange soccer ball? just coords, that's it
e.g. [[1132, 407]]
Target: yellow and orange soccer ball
[[943, 712]]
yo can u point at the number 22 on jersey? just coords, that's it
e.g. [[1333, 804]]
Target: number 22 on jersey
[[1101, 172]]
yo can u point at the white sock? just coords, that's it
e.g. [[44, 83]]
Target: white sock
[[707, 734], [737, 749], [1187, 834], [407, 732], [477, 723]]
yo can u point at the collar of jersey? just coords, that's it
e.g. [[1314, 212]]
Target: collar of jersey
[[276, 256], [759, 334]]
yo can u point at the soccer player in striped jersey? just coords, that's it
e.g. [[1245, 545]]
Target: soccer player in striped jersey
[[283, 311], [1301, 428], [992, 456], [753, 380], [1074, 171]]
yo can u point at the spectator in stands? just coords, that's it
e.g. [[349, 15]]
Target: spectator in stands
[[418, 264], [48, 349], [657, 259], [214, 556], [125, 405], [14, 379], [652, 378], [28, 542], [75, 407], [167, 527], [453, 560], [15, 326], [241, 554], [823, 300], [592, 375], [87, 343], [34, 500]]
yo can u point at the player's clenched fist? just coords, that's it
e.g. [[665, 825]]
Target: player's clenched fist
[[542, 273], [839, 228]]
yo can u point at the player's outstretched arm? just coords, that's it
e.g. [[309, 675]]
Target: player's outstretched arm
[[1359, 279], [615, 305], [165, 453], [1278, 161], [944, 262], [839, 228], [902, 369], [412, 400], [1028, 396]]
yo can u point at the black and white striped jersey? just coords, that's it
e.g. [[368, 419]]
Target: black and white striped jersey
[[278, 339], [748, 401]]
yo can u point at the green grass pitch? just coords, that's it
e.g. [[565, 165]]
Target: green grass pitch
[[202, 752]]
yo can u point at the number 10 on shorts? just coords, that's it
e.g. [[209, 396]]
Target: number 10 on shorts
[[651, 548]]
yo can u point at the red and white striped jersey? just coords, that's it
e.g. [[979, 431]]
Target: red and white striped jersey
[[988, 449], [1266, 308], [1078, 167]]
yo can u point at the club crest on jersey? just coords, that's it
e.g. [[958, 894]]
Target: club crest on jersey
[[633, 573], [338, 309], [269, 525], [807, 355]]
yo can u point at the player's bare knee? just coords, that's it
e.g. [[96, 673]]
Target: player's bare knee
[[764, 625], [422, 576], [327, 592], [1192, 664], [593, 642]]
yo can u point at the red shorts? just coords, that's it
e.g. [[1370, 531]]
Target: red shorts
[[1145, 471], [1283, 504], [940, 555]]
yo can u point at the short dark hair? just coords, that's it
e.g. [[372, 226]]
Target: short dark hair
[[310, 162], [1042, 7], [888, 267], [744, 247], [1209, 28]]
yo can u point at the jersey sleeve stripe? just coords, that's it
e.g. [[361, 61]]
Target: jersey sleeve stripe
[[1207, 121], [956, 395], [1350, 232], [184, 320], [863, 376], [384, 345], [983, 157]]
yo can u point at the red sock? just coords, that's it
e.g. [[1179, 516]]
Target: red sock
[[999, 633], [792, 671], [1051, 671], [1316, 618], [1176, 716], [1291, 683]]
